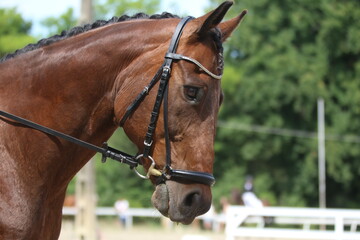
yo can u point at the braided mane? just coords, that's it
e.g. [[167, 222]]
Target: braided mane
[[80, 29]]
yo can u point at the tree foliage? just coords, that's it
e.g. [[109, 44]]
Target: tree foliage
[[65, 21], [109, 8], [14, 31], [103, 9], [284, 56]]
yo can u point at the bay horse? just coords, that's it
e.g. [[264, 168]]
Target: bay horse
[[82, 84]]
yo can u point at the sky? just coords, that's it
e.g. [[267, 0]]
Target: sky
[[37, 10]]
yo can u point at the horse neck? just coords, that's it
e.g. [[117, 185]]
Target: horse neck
[[71, 85], [77, 79]]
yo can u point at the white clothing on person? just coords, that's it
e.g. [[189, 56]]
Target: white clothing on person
[[121, 206], [251, 200]]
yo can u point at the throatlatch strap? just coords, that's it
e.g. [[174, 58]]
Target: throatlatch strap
[[140, 97]]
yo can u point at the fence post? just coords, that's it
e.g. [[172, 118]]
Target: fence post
[[339, 227]]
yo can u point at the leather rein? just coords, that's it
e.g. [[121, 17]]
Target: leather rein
[[163, 74]]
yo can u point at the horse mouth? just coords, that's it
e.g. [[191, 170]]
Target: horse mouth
[[160, 199], [180, 202]]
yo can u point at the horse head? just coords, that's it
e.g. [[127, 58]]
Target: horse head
[[81, 83], [184, 138]]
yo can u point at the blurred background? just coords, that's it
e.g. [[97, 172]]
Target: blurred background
[[285, 56]]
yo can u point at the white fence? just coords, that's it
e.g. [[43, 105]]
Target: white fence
[[291, 223], [140, 212], [109, 211], [341, 224]]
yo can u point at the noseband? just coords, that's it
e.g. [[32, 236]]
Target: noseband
[[163, 74]]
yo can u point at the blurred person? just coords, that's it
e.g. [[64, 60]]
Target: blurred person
[[249, 198], [121, 207]]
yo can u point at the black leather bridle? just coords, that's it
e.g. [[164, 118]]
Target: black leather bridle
[[168, 173], [163, 74]]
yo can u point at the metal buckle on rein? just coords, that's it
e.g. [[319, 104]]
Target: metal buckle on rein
[[147, 144], [152, 171]]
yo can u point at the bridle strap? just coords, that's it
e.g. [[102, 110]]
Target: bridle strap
[[174, 174], [179, 175], [188, 176], [162, 96], [172, 48], [140, 97], [165, 76], [168, 172], [166, 132], [177, 35]]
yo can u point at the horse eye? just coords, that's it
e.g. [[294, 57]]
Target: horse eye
[[193, 94]]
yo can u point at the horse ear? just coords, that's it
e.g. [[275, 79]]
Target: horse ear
[[213, 18], [228, 27]]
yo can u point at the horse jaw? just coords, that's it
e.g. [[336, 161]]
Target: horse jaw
[[181, 202]]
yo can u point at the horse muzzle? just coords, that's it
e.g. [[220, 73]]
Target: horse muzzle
[[182, 202]]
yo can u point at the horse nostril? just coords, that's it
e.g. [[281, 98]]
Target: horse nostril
[[192, 199], [189, 201]]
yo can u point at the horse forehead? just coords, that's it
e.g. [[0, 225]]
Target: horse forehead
[[206, 52], [202, 50], [210, 57]]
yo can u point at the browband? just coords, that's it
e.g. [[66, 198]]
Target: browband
[[176, 56]]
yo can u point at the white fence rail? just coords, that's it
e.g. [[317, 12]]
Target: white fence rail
[[291, 223], [109, 211], [136, 212], [342, 224]]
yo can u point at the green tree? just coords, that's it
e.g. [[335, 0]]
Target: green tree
[[103, 10], [109, 8], [65, 21], [284, 56], [14, 31]]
